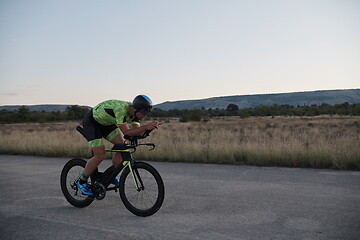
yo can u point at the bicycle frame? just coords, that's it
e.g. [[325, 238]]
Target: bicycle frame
[[128, 161]]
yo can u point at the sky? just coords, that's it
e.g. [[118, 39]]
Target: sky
[[87, 51]]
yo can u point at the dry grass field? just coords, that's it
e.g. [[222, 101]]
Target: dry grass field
[[316, 142]]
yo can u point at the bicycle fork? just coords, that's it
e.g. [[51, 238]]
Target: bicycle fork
[[135, 176], [129, 162]]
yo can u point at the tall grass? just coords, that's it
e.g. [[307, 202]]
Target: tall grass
[[42, 139], [316, 142]]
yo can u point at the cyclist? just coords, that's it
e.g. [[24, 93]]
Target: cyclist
[[111, 120]]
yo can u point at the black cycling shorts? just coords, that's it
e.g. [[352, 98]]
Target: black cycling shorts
[[95, 132]]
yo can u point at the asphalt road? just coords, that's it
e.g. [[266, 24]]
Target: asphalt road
[[202, 202]]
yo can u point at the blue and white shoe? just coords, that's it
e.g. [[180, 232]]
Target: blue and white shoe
[[84, 188], [116, 182]]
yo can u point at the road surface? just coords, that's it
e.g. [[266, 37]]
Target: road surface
[[202, 202]]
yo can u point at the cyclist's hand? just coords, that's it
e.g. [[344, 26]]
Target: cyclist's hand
[[153, 125]]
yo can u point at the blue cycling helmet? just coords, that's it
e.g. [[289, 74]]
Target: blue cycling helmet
[[142, 104]]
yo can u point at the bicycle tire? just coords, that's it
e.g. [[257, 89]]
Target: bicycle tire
[[153, 192], [70, 172]]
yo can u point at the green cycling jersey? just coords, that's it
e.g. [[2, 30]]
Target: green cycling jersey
[[113, 112]]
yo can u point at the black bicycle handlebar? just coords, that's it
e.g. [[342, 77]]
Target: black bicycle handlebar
[[134, 142]]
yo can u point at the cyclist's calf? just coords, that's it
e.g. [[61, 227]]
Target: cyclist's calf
[[117, 159], [99, 155]]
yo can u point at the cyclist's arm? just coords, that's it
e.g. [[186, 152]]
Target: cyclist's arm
[[135, 124], [136, 128]]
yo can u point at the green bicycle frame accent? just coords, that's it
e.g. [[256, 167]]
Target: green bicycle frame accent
[[128, 163]]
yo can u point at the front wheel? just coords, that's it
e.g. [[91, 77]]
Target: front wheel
[[148, 198], [69, 175]]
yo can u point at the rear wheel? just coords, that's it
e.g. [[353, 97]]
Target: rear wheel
[[70, 173], [146, 200]]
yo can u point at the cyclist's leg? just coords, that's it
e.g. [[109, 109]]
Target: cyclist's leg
[[94, 134], [99, 155], [117, 158], [116, 137]]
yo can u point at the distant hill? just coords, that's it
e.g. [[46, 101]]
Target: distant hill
[[250, 101], [40, 108], [243, 101]]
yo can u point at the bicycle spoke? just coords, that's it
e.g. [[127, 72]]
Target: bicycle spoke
[[145, 198], [69, 175]]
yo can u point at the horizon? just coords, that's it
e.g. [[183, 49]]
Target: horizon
[[59, 104], [85, 52]]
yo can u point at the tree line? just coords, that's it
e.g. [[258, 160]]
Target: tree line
[[75, 112], [261, 111], [23, 114]]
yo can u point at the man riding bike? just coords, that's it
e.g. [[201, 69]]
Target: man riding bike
[[110, 120]]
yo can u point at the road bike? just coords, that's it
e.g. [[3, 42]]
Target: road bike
[[141, 187]]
